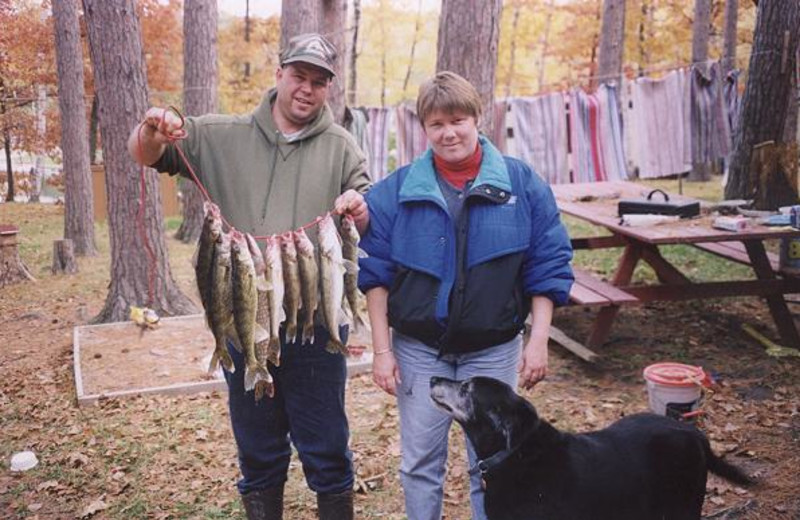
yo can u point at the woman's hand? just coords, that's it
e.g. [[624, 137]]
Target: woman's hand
[[533, 366], [385, 372]]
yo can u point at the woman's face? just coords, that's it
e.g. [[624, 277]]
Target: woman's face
[[453, 135]]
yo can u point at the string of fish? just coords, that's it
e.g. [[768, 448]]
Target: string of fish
[[247, 293]]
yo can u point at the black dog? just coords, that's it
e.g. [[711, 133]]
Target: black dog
[[643, 467]]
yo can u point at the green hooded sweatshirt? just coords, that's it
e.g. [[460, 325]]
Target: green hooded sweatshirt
[[262, 183]]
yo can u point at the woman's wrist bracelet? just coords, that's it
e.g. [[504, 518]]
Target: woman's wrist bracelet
[[379, 352]]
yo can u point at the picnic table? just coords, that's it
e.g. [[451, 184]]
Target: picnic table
[[596, 203]]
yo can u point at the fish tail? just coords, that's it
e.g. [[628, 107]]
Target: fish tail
[[335, 346], [264, 388], [274, 352], [222, 357], [308, 333], [291, 332]]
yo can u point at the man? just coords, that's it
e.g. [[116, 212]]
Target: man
[[270, 171]]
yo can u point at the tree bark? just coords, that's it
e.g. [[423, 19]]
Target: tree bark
[[700, 33], [298, 17], [37, 173], [332, 27], [612, 42], [352, 84], [93, 131], [468, 40], [12, 269], [417, 26], [765, 103], [729, 39], [545, 42], [78, 199], [140, 272], [199, 95], [64, 257]]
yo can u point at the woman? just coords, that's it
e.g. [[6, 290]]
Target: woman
[[462, 245]]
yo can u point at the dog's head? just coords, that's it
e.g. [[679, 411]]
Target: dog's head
[[493, 416]]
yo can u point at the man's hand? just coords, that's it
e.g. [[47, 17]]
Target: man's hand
[[352, 203], [162, 124], [149, 138]]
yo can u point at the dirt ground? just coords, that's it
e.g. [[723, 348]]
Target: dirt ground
[[174, 457]]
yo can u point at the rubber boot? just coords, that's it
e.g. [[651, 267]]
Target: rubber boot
[[335, 506], [264, 504]]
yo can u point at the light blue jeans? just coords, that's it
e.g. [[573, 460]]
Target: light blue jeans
[[424, 428]]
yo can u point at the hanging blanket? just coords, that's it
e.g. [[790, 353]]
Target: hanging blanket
[[378, 132], [659, 124], [710, 135], [540, 135], [411, 140]]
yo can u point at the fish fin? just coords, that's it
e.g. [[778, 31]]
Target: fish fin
[[254, 375], [291, 333], [230, 333], [260, 332], [350, 267], [335, 347], [262, 284], [362, 254], [274, 352]]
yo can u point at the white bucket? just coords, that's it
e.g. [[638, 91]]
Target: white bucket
[[674, 389]]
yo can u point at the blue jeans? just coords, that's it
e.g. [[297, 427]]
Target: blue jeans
[[308, 407], [424, 428]]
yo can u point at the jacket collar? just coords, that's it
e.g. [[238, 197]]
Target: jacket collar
[[492, 180], [265, 121]]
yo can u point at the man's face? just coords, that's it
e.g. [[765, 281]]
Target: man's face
[[302, 89]]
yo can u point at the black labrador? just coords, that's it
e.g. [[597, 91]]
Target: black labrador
[[642, 467]]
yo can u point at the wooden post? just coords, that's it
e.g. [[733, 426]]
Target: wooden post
[[64, 257], [12, 269]]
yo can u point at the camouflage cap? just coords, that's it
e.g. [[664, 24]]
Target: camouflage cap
[[310, 48]]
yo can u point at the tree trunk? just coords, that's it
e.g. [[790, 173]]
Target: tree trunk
[[612, 42], [765, 104], [199, 95], [352, 85], [545, 42], [93, 130], [12, 269], [9, 170], [700, 33], [64, 257], [298, 17], [644, 24], [417, 26], [729, 36], [333, 28], [513, 53], [78, 201], [140, 272], [468, 40], [38, 171]]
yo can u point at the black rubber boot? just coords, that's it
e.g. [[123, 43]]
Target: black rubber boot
[[335, 506], [264, 504]]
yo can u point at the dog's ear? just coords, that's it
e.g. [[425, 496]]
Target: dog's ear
[[520, 423]]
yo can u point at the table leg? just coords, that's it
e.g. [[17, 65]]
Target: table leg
[[606, 315], [665, 271], [777, 305]]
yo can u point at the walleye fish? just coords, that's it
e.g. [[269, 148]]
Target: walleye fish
[[355, 298], [204, 254], [245, 307], [331, 268], [275, 296], [291, 285], [309, 277], [219, 312]]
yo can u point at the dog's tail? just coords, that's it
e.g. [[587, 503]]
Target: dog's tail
[[726, 470]]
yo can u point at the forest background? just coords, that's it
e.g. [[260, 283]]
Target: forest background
[[545, 45]]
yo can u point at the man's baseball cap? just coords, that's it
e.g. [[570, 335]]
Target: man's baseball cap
[[310, 48]]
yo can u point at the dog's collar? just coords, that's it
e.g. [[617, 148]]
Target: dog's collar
[[484, 466]]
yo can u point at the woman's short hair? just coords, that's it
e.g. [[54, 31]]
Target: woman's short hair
[[448, 92]]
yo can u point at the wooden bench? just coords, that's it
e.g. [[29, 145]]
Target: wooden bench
[[590, 290], [735, 251]]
